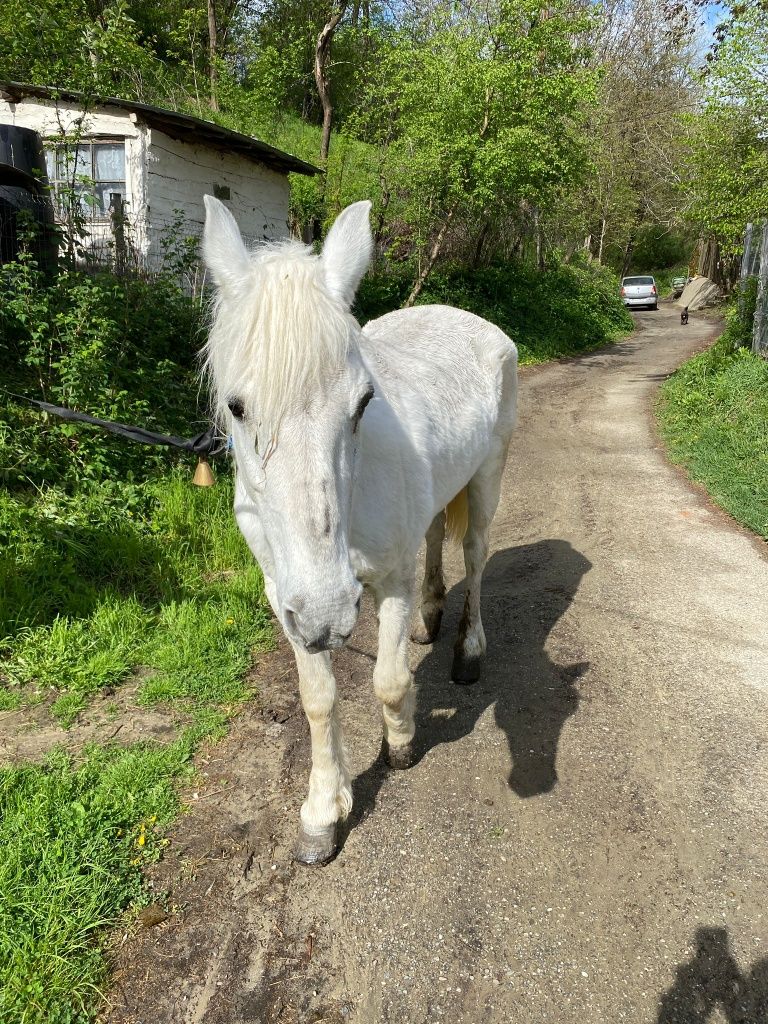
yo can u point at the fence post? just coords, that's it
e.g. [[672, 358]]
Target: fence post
[[117, 216], [760, 329], [744, 271]]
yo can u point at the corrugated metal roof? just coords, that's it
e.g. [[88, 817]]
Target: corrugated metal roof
[[182, 127]]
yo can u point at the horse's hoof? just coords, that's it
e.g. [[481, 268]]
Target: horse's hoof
[[399, 758], [466, 670], [428, 629], [315, 848]]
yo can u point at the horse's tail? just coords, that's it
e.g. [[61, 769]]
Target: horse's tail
[[457, 517]]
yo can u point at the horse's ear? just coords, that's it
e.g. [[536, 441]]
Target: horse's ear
[[224, 252], [347, 251]]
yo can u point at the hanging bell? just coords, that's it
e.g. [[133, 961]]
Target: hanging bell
[[203, 476]]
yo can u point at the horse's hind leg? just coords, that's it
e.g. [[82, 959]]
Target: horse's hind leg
[[483, 497], [392, 678], [430, 613]]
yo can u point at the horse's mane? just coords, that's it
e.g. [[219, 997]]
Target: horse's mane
[[274, 334]]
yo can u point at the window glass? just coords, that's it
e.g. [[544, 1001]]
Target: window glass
[[638, 280], [109, 162], [103, 191], [74, 162]]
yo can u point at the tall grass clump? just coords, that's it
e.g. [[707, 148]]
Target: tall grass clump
[[74, 838]]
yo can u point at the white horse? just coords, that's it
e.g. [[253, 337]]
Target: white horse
[[349, 444]]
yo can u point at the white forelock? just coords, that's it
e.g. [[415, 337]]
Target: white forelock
[[276, 333]]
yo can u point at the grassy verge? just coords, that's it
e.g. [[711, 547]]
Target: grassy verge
[[714, 416], [126, 577], [74, 839]]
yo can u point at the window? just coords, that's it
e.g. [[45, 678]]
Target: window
[[95, 169]]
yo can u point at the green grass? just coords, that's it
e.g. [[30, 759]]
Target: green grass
[[152, 576], [714, 417], [74, 839]]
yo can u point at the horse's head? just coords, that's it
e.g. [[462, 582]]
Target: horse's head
[[291, 387]]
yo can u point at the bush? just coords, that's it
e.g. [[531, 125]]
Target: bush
[[657, 247], [117, 348]]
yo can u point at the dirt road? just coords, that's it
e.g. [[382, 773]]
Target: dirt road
[[583, 839]]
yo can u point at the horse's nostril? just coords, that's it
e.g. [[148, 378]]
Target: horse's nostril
[[289, 615]]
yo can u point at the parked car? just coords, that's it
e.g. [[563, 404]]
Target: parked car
[[640, 291], [678, 285]]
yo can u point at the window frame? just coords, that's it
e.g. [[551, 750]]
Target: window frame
[[56, 148]]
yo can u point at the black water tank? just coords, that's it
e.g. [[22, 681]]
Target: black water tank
[[24, 191]]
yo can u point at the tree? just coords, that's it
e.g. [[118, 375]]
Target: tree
[[478, 114], [727, 183]]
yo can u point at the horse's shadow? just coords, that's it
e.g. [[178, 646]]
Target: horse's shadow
[[526, 590]]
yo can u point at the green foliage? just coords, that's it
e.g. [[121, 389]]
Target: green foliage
[[714, 416], [484, 115], [73, 841], [727, 183], [119, 348], [63, 43], [566, 309], [657, 248]]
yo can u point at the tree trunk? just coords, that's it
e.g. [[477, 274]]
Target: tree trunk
[[322, 58], [480, 243], [539, 239], [628, 256], [432, 258], [602, 240], [212, 43], [386, 196]]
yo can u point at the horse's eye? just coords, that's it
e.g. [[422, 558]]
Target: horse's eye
[[361, 406], [237, 408]]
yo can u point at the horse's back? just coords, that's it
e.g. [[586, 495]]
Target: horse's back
[[441, 354]]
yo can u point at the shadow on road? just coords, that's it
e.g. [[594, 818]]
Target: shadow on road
[[712, 979], [526, 590]]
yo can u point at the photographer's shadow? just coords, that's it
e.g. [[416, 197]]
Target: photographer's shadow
[[712, 980], [526, 590]]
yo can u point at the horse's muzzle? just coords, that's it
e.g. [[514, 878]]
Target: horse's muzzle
[[304, 630]]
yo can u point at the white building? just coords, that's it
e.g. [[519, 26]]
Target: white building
[[159, 163]]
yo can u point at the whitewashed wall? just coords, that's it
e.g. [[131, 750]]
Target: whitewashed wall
[[179, 174], [167, 178]]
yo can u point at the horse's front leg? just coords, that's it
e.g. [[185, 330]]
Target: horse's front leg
[[330, 793], [392, 677]]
